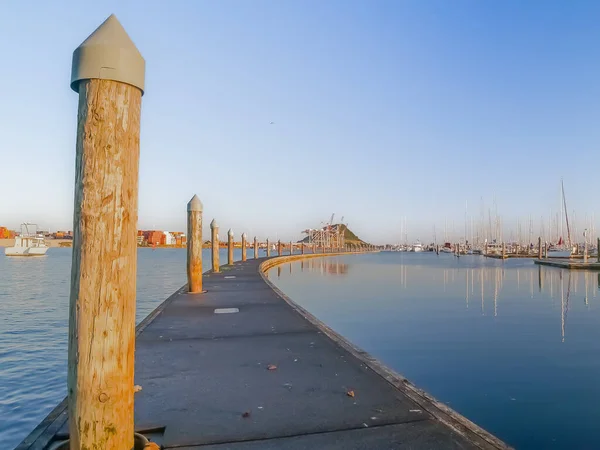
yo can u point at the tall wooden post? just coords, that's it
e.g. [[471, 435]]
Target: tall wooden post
[[279, 248], [268, 248], [244, 244], [108, 73], [598, 252], [230, 247], [545, 250], [214, 240], [302, 248], [503, 250], [291, 248], [194, 245], [540, 247], [255, 248]]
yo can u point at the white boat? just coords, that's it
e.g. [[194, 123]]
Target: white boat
[[28, 243], [417, 247]]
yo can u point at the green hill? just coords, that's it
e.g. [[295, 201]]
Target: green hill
[[349, 236]]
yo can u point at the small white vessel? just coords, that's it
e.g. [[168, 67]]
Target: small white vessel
[[28, 243], [417, 247]]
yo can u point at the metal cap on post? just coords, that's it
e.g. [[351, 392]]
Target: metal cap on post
[[108, 54], [195, 204]]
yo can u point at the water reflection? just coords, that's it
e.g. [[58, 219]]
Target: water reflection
[[326, 266], [483, 281]]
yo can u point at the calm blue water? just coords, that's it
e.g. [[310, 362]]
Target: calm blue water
[[512, 346], [34, 309]]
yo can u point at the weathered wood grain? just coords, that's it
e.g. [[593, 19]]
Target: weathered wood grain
[[103, 274], [194, 250]]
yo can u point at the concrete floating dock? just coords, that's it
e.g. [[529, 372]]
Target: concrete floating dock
[[568, 264], [243, 367]]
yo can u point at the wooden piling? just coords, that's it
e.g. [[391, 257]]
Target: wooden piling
[[268, 249], [244, 245], [194, 245], [279, 247], [255, 248], [214, 240], [540, 247], [291, 248], [230, 247], [503, 250], [104, 258], [302, 248], [598, 251]]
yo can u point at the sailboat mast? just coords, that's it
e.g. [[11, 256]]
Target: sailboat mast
[[566, 214]]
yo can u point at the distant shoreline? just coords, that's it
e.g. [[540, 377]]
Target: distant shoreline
[[55, 243]]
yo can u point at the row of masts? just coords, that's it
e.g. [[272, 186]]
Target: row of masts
[[558, 227]]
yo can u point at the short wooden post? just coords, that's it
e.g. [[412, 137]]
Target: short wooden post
[[279, 247], [268, 249], [108, 73], [255, 248], [291, 248], [244, 245], [214, 240], [230, 247], [540, 247], [194, 245]]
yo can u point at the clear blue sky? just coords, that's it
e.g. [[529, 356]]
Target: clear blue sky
[[382, 110]]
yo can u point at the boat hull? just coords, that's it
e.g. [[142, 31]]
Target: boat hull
[[25, 251], [559, 253]]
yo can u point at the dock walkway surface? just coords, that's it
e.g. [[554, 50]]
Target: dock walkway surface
[[268, 376]]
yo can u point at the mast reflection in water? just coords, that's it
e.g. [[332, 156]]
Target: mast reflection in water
[[511, 345]]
